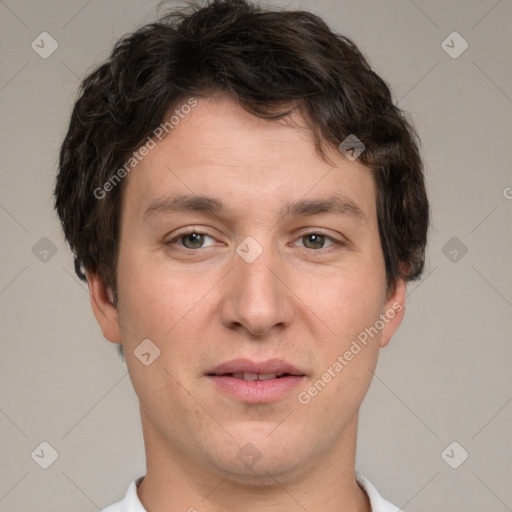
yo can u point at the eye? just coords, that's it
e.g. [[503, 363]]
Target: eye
[[317, 241], [191, 240], [194, 240]]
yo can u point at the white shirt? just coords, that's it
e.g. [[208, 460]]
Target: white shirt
[[131, 502]]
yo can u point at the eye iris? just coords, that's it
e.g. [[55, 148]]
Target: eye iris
[[196, 239], [317, 241]]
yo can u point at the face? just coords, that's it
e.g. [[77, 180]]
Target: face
[[256, 269]]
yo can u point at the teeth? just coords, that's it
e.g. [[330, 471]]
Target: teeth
[[254, 376], [266, 376]]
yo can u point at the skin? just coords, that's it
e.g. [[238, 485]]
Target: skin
[[303, 300]]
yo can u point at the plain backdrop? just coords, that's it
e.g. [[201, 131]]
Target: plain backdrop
[[444, 379]]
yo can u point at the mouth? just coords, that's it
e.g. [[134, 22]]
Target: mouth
[[254, 376], [247, 369], [253, 382]]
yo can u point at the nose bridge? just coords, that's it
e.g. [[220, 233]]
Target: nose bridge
[[258, 273], [257, 298]]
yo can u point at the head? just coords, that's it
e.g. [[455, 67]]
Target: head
[[243, 111]]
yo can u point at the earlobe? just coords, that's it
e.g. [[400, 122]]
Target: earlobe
[[104, 308], [394, 311]]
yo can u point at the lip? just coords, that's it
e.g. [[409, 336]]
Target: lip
[[249, 366], [256, 391]]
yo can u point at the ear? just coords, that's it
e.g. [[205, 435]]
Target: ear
[[105, 311], [394, 311]]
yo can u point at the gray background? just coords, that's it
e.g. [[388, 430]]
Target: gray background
[[445, 376]]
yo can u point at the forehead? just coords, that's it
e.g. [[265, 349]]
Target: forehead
[[219, 150]]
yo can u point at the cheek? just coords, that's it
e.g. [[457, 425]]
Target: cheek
[[350, 306], [349, 302], [151, 298]]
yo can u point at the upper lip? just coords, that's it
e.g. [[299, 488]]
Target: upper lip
[[270, 366]]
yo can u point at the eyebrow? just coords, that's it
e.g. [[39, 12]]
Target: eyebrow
[[336, 204]]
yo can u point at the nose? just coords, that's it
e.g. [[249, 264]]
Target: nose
[[255, 296]]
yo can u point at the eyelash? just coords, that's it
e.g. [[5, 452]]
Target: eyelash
[[336, 244]]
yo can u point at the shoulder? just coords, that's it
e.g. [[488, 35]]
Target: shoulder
[[377, 502], [130, 503]]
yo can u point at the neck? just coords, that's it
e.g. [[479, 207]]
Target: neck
[[175, 482]]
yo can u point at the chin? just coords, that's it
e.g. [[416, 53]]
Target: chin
[[257, 458], [262, 474]]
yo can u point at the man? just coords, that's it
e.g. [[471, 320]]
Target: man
[[247, 206]]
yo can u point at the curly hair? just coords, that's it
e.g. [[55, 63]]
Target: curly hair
[[273, 63]]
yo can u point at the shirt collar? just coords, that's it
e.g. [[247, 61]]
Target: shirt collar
[[131, 502]]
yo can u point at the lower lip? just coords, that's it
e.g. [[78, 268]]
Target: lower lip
[[256, 391]]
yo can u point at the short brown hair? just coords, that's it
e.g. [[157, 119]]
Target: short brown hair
[[272, 63]]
